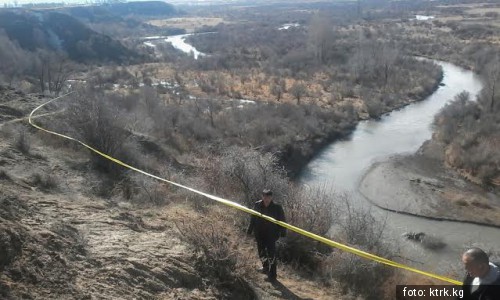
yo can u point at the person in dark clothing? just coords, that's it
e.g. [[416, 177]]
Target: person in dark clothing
[[267, 233], [482, 281]]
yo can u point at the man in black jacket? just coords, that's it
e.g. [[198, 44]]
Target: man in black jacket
[[483, 277], [267, 233]]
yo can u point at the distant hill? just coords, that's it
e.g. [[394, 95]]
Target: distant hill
[[57, 31], [115, 11], [146, 8]]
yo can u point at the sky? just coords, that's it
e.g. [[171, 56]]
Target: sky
[[2, 2]]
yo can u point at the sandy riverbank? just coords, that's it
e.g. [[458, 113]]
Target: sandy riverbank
[[422, 186]]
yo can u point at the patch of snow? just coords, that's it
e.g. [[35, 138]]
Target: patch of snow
[[246, 101], [423, 18], [288, 26], [155, 37]]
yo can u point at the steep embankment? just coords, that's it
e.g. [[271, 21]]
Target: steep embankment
[[49, 30], [60, 239]]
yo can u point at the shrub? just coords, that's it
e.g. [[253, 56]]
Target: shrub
[[22, 142], [491, 14], [75, 239], [359, 228], [93, 121], [374, 107], [248, 172], [4, 174], [471, 132], [144, 190], [355, 274], [312, 209], [46, 181], [217, 256]]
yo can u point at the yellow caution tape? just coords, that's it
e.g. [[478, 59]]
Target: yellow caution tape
[[248, 210]]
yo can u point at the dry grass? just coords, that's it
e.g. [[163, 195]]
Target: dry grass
[[219, 256], [254, 84], [472, 206], [215, 247], [463, 5], [483, 10], [46, 181], [216, 232], [4, 174], [473, 14], [189, 24], [405, 278], [22, 142]]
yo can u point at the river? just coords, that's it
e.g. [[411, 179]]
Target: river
[[343, 163], [178, 42]]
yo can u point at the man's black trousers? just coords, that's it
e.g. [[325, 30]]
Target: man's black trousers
[[267, 254]]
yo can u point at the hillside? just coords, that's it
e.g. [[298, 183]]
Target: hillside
[[277, 84], [60, 238], [61, 32], [466, 133], [106, 12]]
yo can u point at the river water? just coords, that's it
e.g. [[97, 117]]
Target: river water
[[178, 42], [343, 163]]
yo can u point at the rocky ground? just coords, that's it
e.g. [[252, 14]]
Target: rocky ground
[[60, 240]]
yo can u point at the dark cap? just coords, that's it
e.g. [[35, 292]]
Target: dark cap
[[267, 192]]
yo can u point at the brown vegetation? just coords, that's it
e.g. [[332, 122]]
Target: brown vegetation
[[470, 133], [183, 119], [188, 24]]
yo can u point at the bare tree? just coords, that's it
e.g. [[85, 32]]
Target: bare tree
[[298, 90], [206, 85], [13, 60], [53, 71], [58, 74], [213, 106], [93, 120], [362, 61], [492, 85], [278, 88], [374, 61], [151, 99], [321, 36], [180, 91], [385, 57], [250, 171], [41, 65]]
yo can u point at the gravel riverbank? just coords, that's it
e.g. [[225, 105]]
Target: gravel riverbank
[[422, 186]]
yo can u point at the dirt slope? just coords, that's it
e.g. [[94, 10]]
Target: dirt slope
[[59, 240]]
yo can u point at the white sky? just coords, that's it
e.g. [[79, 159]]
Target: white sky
[[2, 2], [35, 1]]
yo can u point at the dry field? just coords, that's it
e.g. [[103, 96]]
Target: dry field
[[483, 10], [189, 24], [473, 14], [464, 5]]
